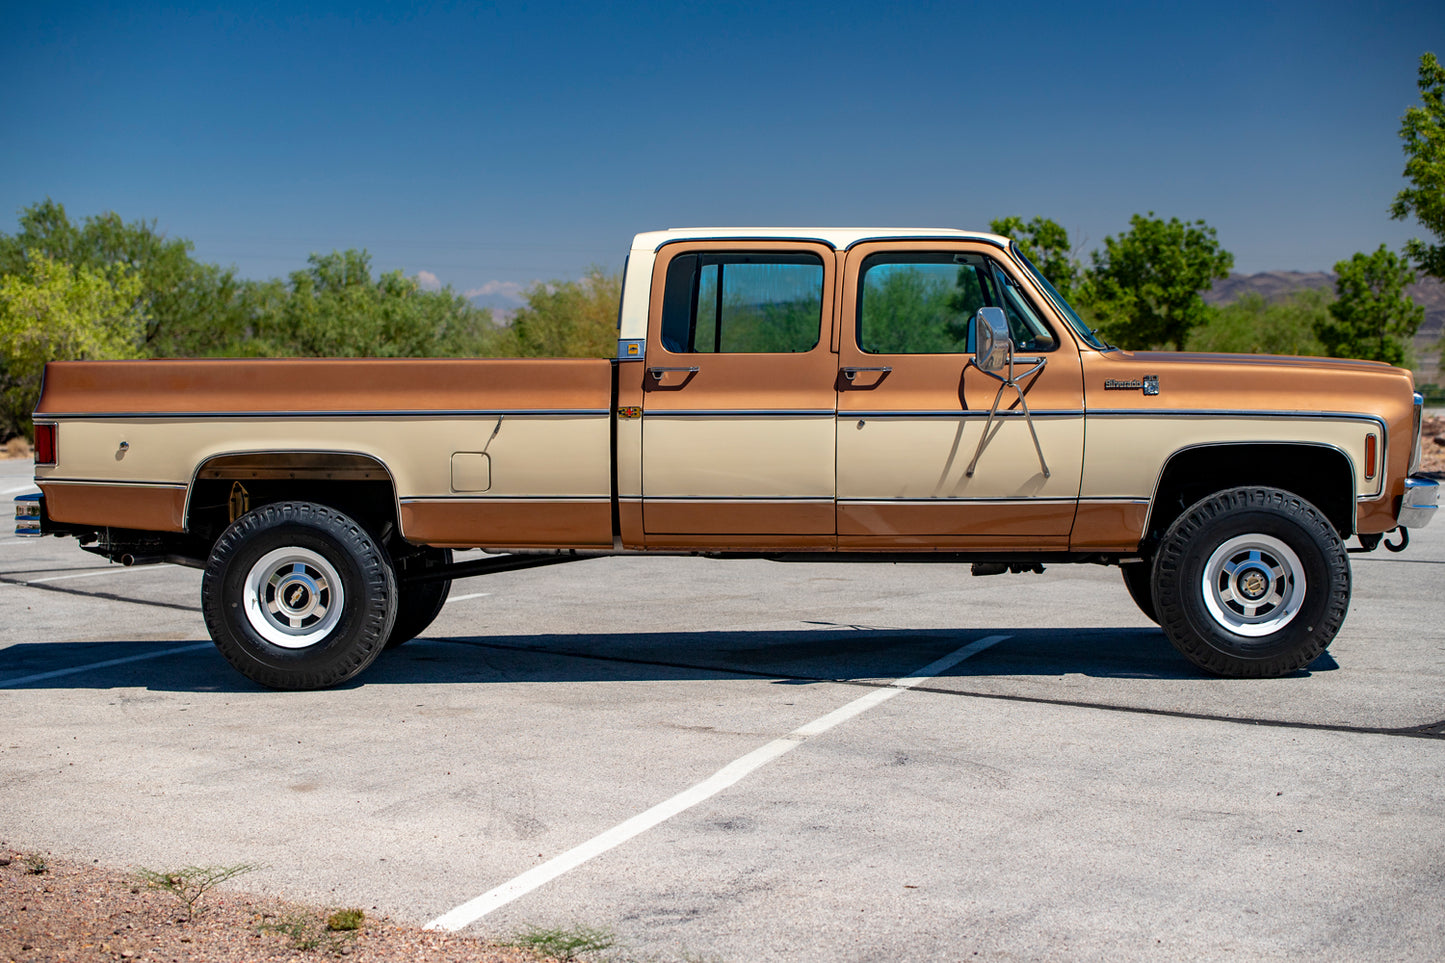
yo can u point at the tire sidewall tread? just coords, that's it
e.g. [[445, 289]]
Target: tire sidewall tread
[[369, 589], [1178, 571]]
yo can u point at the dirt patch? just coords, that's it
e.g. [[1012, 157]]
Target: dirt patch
[[52, 910]]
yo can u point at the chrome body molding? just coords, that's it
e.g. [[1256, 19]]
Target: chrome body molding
[[111, 483], [349, 413], [1255, 414], [961, 413], [738, 412], [1417, 506], [196, 472], [729, 499], [1416, 452], [1355, 500], [953, 500], [494, 499]]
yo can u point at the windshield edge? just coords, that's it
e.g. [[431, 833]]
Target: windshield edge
[[1061, 305]]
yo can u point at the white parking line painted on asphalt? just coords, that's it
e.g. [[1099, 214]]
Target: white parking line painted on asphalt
[[473, 910], [74, 670], [16, 491], [463, 598], [102, 571]]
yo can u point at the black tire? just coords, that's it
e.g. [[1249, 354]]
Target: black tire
[[271, 590], [1252, 583], [1139, 580], [420, 602]]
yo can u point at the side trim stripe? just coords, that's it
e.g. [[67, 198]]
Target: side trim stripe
[[340, 413], [520, 499], [112, 483]]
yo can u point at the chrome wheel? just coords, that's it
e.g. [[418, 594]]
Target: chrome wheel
[[1253, 585], [293, 597]]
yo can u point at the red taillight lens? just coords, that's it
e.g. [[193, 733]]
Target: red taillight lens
[[1371, 450], [45, 444]]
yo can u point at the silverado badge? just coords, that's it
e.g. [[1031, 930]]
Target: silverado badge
[[1150, 384]]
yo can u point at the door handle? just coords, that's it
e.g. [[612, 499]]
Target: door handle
[[851, 373], [657, 373]]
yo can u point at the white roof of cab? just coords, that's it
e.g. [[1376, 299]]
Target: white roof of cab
[[839, 238]]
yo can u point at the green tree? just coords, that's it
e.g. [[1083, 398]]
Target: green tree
[[1423, 131], [1372, 318], [566, 319], [1046, 244], [58, 312], [190, 308], [1145, 286], [336, 308], [1252, 325]]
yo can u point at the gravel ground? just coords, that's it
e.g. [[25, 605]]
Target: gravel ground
[[85, 913], [1432, 444]]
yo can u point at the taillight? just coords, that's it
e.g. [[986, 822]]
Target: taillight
[[1372, 444], [45, 444]]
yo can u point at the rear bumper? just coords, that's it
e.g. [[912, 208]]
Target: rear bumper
[[1417, 506]]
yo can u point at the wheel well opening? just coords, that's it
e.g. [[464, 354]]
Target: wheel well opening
[[1321, 475], [226, 485]]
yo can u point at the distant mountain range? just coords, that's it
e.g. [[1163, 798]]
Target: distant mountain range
[[1276, 285]]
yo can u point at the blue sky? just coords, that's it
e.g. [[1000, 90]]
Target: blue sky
[[490, 146]]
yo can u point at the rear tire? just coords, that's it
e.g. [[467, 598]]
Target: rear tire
[[1252, 583], [298, 596], [421, 602]]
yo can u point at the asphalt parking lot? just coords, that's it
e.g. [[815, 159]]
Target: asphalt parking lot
[[713, 760]]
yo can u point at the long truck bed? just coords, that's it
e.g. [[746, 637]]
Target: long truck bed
[[490, 452]]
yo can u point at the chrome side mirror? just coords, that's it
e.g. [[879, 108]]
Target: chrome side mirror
[[991, 339]]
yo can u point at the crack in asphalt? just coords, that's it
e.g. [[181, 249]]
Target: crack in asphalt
[[1431, 731], [109, 596]]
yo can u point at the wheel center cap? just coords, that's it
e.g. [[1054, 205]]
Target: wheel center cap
[[296, 595], [1253, 585]]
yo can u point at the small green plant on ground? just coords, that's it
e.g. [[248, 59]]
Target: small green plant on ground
[[190, 884], [303, 933], [36, 865], [306, 932], [564, 943], [345, 920]]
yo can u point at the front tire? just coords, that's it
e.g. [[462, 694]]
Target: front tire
[[1251, 583], [298, 596]]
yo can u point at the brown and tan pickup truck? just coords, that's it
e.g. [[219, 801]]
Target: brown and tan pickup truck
[[869, 395]]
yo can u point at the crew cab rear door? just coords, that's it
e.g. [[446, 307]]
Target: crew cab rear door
[[912, 409], [738, 436]]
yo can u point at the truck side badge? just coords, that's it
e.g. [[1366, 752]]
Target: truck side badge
[[1150, 384]]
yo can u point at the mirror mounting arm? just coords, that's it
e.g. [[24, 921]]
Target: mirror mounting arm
[[988, 341]]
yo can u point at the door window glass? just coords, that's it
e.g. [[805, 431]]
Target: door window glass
[[742, 303], [922, 302]]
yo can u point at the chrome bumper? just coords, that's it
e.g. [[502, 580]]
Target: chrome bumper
[[1417, 507], [28, 510]]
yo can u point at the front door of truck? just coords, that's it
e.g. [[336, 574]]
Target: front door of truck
[[738, 437], [912, 410]]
